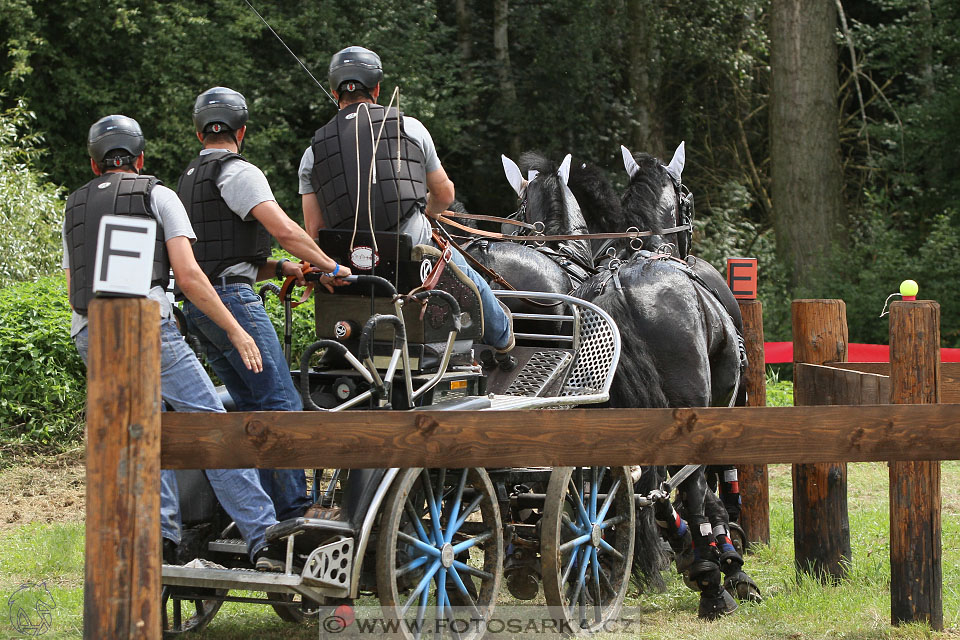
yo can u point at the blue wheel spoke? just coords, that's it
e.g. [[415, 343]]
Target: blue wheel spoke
[[606, 503], [473, 571], [582, 572], [415, 520], [418, 544], [578, 503], [441, 591], [416, 563], [576, 542], [466, 513], [424, 581], [456, 634], [462, 588], [566, 572], [606, 547], [574, 529], [460, 547], [455, 509], [614, 521], [593, 495], [434, 511], [421, 610], [595, 568]]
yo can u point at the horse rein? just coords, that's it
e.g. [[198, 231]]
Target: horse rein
[[445, 218]]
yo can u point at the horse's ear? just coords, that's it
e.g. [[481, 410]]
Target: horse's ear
[[628, 162], [512, 171], [564, 170], [675, 168]]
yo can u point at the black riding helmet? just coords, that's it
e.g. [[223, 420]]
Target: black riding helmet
[[355, 64], [115, 132], [219, 110]]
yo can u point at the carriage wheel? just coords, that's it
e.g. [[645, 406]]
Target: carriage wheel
[[440, 552], [298, 611], [586, 545], [201, 610]]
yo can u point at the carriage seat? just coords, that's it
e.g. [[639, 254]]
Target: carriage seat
[[407, 269]]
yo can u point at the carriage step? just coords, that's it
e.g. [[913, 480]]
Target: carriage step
[[540, 371], [229, 545]]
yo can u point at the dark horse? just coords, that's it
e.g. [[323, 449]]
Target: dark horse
[[656, 201], [680, 348], [550, 268]]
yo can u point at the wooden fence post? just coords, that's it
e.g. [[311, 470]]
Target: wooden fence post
[[821, 528], [121, 596], [916, 575], [754, 486]]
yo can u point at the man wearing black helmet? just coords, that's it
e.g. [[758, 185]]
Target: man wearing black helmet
[[234, 213], [334, 173], [115, 145]]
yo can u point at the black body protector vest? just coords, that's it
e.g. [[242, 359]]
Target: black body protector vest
[[396, 195], [223, 239], [119, 194]]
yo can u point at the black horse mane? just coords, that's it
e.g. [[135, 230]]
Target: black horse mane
[[598, 200], [641, 200]]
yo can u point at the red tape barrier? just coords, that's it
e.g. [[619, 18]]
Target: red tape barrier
[[780, 352]]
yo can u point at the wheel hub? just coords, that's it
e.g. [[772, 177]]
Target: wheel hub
[[446, 555], [596, 535]]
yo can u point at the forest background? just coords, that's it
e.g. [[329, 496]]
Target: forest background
[[505, 76]]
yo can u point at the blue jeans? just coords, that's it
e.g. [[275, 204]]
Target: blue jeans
[[186, 387], [270, 390], [496, 325]]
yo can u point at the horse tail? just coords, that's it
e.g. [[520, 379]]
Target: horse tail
[[649, 559], [637, 382]]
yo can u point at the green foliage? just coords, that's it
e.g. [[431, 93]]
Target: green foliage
[[30, 207], [779, 392], [42, 376]]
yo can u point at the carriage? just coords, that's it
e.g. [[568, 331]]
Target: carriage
[[433, 545]]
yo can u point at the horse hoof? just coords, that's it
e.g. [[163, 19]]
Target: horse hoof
[[743, 588], [711, 608]]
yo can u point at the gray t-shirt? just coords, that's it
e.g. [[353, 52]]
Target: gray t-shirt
[[417, 227], [243, 186], [173, 221]]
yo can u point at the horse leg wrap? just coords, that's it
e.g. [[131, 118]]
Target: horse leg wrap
[[730, 493], [730, 560], [677, 533]]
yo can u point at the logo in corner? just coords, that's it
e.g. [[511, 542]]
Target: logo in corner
[[30, 609]]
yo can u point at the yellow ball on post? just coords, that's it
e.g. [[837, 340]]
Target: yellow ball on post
[[909, 289]]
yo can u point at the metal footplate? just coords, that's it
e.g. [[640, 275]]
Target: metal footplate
[[228, 545], [330, 565], [540, 371]]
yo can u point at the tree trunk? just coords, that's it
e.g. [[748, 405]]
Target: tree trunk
[[642, 54], [501, 53], [804, 136], [464, 32]]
